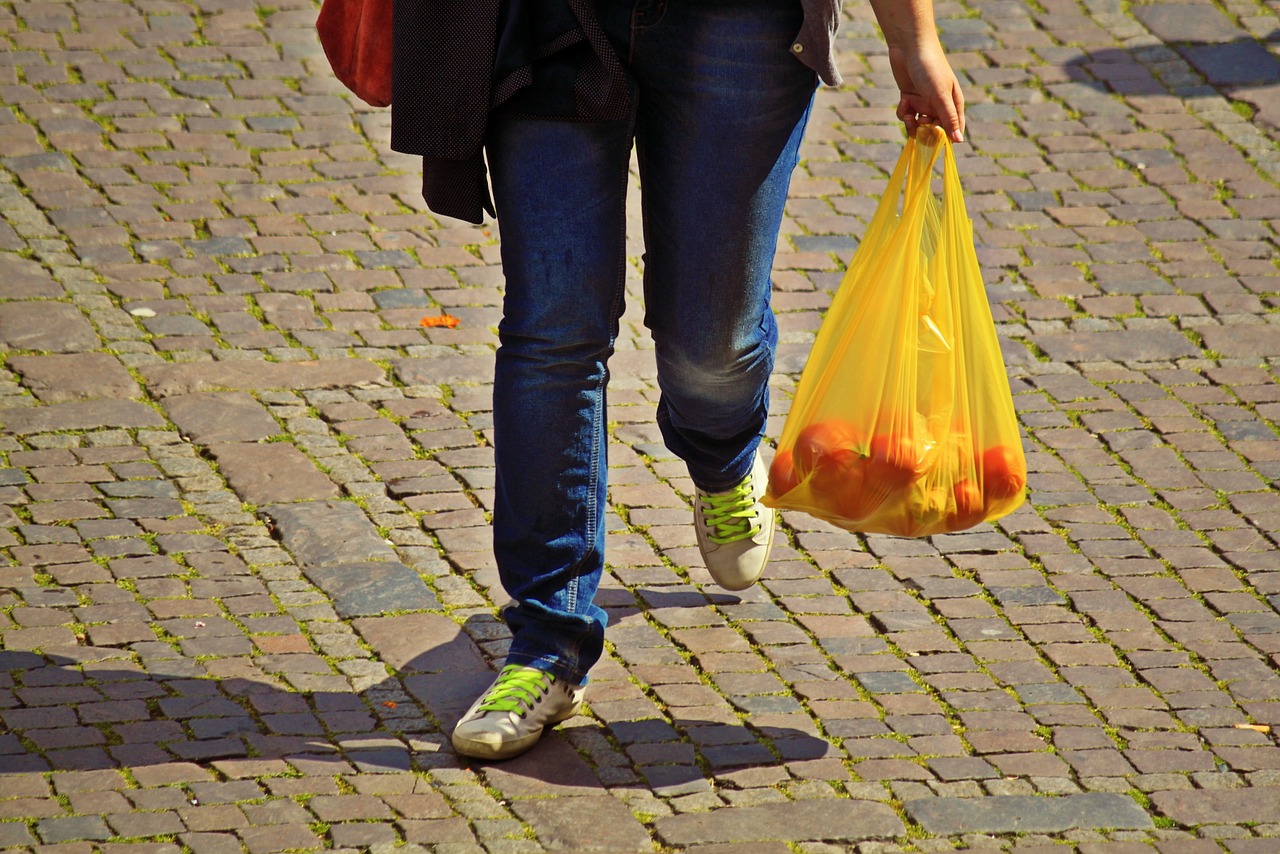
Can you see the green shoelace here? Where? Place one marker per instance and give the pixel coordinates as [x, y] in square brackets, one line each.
[728, 515]
[517, 690]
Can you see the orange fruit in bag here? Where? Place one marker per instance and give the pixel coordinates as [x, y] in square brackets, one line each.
[833, 439]
[1003, 474]
[969, 510]
[827, 453]
[855, 501]
[783, 476]
[891, 462]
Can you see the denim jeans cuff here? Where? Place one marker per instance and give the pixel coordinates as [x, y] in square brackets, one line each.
[549, 664]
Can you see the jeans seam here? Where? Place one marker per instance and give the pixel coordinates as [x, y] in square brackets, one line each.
[599, 442]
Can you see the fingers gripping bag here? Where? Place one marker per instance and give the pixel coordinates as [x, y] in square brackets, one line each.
[903, 421]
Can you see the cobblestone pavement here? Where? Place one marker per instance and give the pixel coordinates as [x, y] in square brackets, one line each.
[244, 497]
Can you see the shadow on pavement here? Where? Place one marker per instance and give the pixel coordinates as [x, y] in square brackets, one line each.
[1240, 68]
[95, 709]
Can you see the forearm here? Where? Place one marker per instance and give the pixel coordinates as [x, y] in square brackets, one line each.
[906, 23]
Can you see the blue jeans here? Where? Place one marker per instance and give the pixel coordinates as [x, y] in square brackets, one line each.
[718, 112]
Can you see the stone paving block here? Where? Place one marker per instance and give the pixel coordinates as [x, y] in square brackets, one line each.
[79, 415]
[828, 820]
[14, 835]
[371, 588]
[214, 418]
[557, 771]
[1212, 806]
[1023, 814]
[271, 472]
[1237, 63]
[1136, 346]
[590, 823]
[319, 533]
[1187, 22]
[1243, 341]
[443, 369]
[53, 327]
[283, 837]
[79, 376]
[422, 643]
[72, 828]
[24, 279]
[166, 380]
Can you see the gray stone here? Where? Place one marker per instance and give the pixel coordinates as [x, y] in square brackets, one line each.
[1015, 352]
[54, 327]
[381, 760]
[1051, 692]
[272, 472]
[371, 588]
[71, 828]
[888, 682]
[553, 770]
[444, 668]
[444, 369]
[1187, 22]
[140, 489]
[320, 533]
[1243, 342]
[1121, 345]
[175, 324]
[385, 258]
[791, 358]
[221, 246]
[1027, 813]
[1027, 596]
[146, 508]
[24, 279]
[14, 835]
[79, 415]
[1243, 62]
[592, 823]
[1265, 99]
[212, 417]
[1256, 623]
[825, 819]
[1243, 431]
[422, 643]
[145, 567]
[401, 298]
[1220, 806]
[78, 376]
[165, 380]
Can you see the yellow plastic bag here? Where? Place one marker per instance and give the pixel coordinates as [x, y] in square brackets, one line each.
[903, 422]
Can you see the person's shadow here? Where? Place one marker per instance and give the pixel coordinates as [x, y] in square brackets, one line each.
[1236, 65]
[90, 708]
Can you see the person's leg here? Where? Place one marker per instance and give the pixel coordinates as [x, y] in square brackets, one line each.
[723, 107]
[559, 189]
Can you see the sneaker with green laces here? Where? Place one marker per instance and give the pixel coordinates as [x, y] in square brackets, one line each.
[735, 530]
[509, 717]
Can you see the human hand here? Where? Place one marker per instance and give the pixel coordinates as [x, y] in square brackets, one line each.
[930, 92]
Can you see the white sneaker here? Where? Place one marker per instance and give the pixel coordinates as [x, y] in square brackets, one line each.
[735, 530]
[509, 717]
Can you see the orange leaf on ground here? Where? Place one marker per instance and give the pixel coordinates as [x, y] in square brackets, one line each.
[390, 704]
[442, 319]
